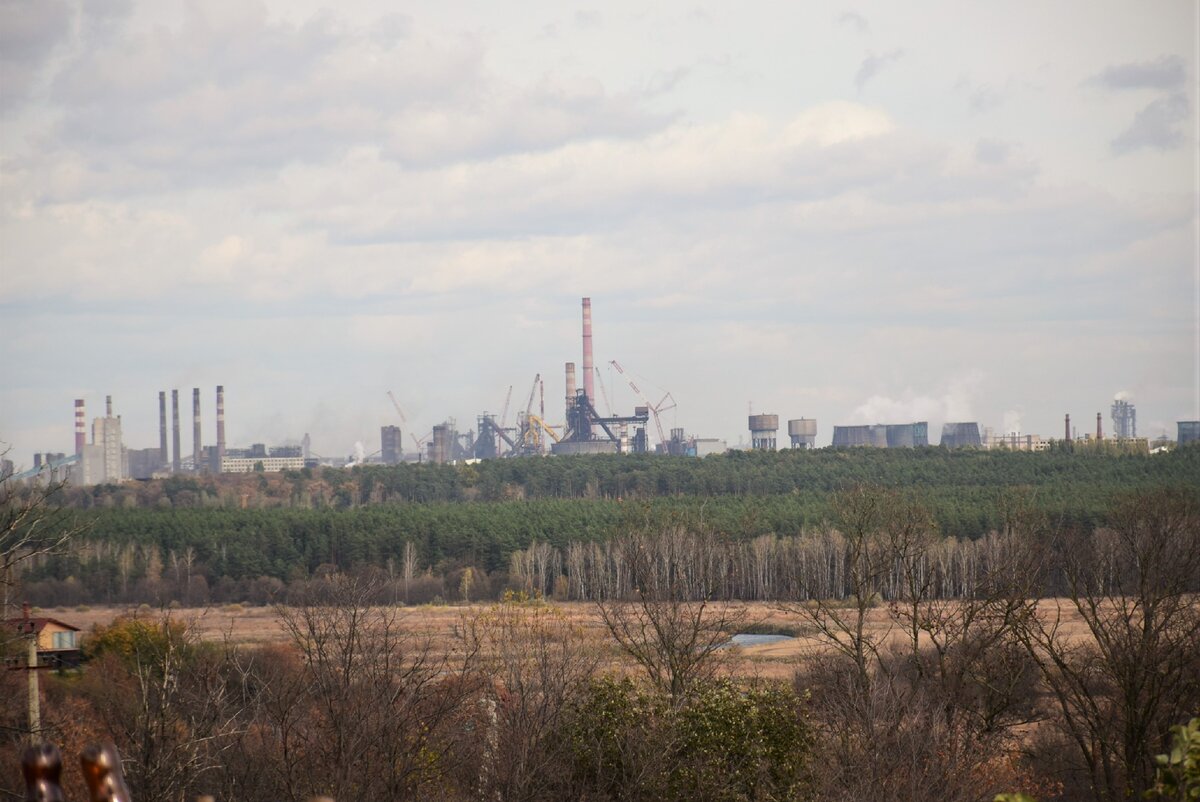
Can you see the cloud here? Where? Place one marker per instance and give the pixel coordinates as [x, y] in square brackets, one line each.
[1165, 73]
[955, 403]
[29, 33]
[1158, 126]
[854, 20]
[991, 151]
[872, 65]
[229, 93]
[984, 99]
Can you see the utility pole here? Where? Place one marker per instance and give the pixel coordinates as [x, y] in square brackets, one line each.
[35, 710]
[29, 630]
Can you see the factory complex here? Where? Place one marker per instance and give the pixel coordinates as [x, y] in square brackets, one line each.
[584, 430]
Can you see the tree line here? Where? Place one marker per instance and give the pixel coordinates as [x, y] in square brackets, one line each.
[994, 691]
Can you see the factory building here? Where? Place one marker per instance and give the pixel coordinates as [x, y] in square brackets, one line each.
[961, 435]
[1124, 418]
[270, 464]
[1014, 441]
[1189, 432]
[102, 461]
[391, 446]
[891, 435]
[143, 463]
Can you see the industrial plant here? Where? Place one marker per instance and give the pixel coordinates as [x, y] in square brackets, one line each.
[583, 430]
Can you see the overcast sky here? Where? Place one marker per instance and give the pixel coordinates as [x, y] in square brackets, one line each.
[863, 213]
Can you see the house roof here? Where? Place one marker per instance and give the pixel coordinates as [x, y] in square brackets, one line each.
[38, 624]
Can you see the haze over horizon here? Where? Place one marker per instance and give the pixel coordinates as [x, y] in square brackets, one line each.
[859, 214]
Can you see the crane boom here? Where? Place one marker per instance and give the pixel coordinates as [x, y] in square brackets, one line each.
[532, 391]
[399, 411]
[504, 413]
[653, 409]
[603, 390]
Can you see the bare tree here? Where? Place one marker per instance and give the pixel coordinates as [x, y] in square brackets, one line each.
[913, 691]
[165, 699]
[672, 628]
[534, 662]
[1136, 669]
[32, 525]
[369, 704]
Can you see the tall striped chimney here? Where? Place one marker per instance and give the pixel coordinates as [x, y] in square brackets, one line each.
[221, 426]
[175, 457]
[196, 446]
[588, 371]
[163, 455]
[80, 426]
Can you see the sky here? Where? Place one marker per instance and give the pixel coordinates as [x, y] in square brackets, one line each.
[867, 213]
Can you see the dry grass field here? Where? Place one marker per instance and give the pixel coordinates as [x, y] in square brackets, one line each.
[261, 625]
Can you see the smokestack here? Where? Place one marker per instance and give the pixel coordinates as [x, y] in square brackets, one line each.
[570, 385]
[175, 460]
[1099, 428]
[1067, 428]
[588, 371]
[196, 447]
[80, 426]
[108, 406]
[221, 426]
[163, 456]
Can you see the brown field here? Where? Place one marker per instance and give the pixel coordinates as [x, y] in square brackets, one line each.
[260, 625]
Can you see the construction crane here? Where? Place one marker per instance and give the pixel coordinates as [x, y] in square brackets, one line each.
[504, 413]
[399, 411]
[654, 410]
[603, 390]
[545, 427]
[532, 391]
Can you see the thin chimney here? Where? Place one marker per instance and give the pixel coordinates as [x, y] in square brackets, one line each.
[196, 445]
[221, 426]
[1099, 428]
[80, 426]
[570, 385]
[1067, 428]
[108, 406]
[175, 456]
[163, 455]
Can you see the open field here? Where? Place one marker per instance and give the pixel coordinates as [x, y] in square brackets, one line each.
[261, 625]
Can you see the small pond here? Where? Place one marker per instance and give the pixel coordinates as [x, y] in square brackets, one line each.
[745, 639]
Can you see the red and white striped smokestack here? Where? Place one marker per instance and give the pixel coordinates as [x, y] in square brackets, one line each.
[80, 426]
[570, 385]
[196, 445]
[163, 455]
[588, 371]
[220, 425]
